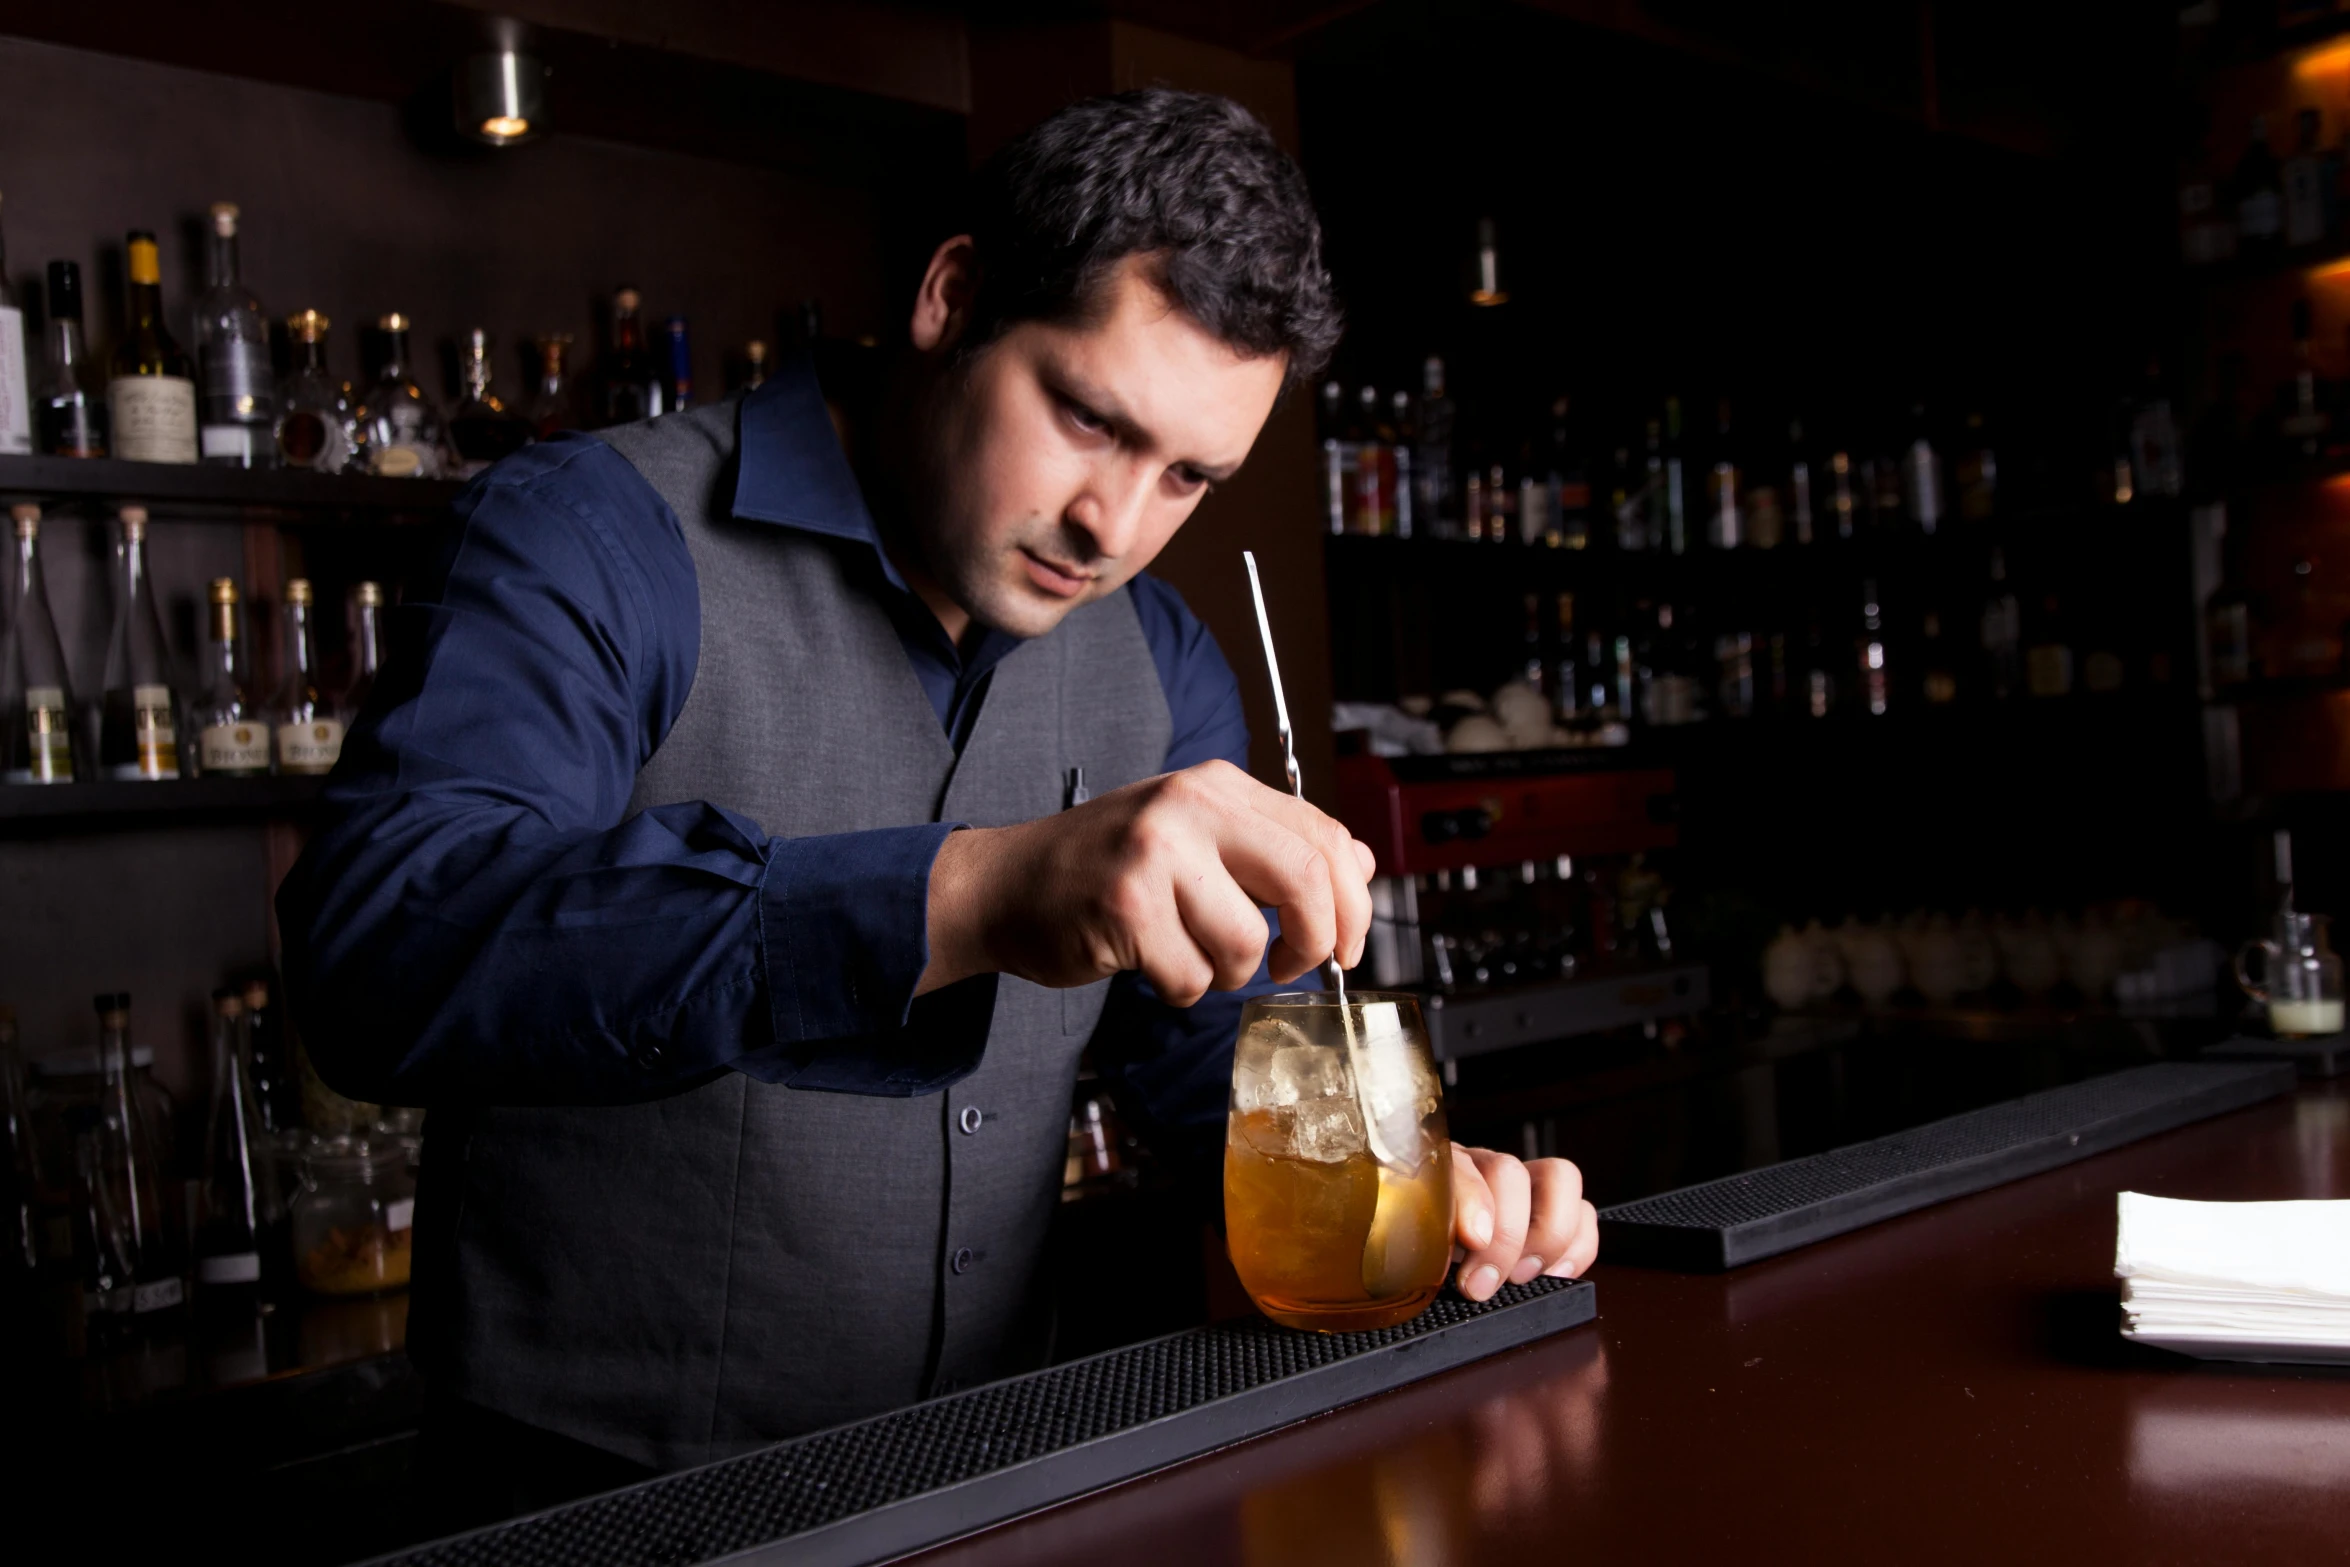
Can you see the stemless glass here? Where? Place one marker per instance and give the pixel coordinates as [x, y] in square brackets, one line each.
[2301, 978]
[1337, 1166]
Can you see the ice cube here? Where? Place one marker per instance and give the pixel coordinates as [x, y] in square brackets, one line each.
[1275, 1064]
[1399, 1087]
[1325, 1131]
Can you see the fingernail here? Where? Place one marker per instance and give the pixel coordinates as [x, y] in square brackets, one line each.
[1527, 1267]
[1481, 1227]
[1483, 1282]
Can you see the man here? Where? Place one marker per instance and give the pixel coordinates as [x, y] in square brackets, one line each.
[716, 869]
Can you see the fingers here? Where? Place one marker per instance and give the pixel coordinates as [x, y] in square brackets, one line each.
[1224, 930]
[1583, 1249]
[1554, 1219]
[1492, 1201]
[1286, 853]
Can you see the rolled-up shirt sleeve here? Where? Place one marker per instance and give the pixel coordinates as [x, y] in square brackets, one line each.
[480, 918]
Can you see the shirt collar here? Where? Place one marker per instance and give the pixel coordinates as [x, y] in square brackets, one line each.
[791, 469]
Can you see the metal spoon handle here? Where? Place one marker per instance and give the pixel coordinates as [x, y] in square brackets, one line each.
[1331, 972]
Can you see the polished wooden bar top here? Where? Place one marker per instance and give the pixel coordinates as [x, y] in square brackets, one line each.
[1949, 1386]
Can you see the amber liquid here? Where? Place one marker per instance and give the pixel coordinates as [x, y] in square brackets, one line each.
[1340, 1246]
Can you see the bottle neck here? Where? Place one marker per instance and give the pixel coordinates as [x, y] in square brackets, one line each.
[301, 653]
[65, 342]
[395, 357]
[370, 640]
[224, 260]
[224, 639]
[146, 306]
[477, 378]
[627, 333]
[114, 1052]
[313, 352]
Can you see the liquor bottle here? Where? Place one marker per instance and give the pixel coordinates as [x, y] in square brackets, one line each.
[1404, 426]
[1844, 499]
[2002, 633]
[232, 351]
[1974, 470]
[232, 735]
[2302, 424]
[2258, 200]
[16, 409]
[1536, 523]
[1937, 675]
[1675, 490]
[1569, 479]
[151, 396]
[1763, 509]
[1338, 459]
[367, 607]
[2156, 467]
[138, 736]
[1371, 510]
[681, 363]
[1821, 685]
[754, 365]
[628, 388]
[130, 1173]
[2230, 653]
[240, 1209]
[1437, 510]
[73, 423]
[397, 425]
[2048, 661]
[1874, 672]
[277, 1078]
[309, 732]
[2207, 226]
[2307, 196]
[1725, 526]
[1799, 507]
[1654, 509]
[101, 1247]
[553, 407]
[1921, 474]
[1567, 685]
[33, 680]
[481, 428]
[317, 425]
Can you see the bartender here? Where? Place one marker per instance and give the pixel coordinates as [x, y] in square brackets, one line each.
[759, 817]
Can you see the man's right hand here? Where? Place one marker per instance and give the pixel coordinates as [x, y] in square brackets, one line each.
[1165, 877]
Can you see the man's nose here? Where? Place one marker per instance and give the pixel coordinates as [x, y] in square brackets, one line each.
[1111, 508]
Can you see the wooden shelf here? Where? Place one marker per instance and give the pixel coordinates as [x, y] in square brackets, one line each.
[184, 492]
[153, 804]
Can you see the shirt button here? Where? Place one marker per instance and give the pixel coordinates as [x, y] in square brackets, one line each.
[970, 1119]
[962, 1260]
[648, 1056]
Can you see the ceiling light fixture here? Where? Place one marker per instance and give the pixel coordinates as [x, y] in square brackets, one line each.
[501, 97]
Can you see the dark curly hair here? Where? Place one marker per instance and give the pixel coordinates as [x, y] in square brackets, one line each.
[1190, 180]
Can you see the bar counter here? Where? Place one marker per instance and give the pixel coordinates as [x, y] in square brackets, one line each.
[1948, 1386]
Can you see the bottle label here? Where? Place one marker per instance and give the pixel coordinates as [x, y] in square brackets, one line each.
[310, 747]
[153, 417]
[234, 748]
[240, 387]
[158, 1296]
[49, 748]
[227, 443]
[242, 1267]
[400, 1215]
[16, 407]
[397, 462]
[154, 738]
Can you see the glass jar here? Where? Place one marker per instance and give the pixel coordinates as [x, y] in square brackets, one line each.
[352, 1220]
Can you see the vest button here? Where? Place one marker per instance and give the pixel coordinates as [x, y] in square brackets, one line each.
[648, 1056]
[970, 1119]
[962, 1260]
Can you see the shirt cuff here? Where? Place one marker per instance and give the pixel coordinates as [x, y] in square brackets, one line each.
[845, 936]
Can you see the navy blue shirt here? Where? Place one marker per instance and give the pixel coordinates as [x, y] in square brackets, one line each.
[480, 920]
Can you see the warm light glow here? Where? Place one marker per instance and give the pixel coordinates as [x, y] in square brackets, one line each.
[2331, 272]
[1490, 296]
[2329, 60]
[505, 127]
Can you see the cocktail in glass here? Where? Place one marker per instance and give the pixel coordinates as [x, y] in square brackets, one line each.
[1337, 1166]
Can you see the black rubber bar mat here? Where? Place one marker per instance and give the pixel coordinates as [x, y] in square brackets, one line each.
[924, 1474]
[1745, 1218]
[2327, 1055]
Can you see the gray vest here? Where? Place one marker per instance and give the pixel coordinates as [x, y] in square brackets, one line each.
[683, 1279]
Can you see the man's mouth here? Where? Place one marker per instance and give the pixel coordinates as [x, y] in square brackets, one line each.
[1058, 580]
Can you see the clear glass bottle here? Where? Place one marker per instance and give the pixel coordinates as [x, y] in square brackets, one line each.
[16, 410]
[2003, 633]
[315, 428]
[1873, 675]
[553, 407]
[73, 423]
[138, 733]
[628, 388]
[1922, 492]
[398, 424]
[367, 608]
[481, 427]
[232, 736]
[33, 679]
[1725, 524]
[681, 363]
[151, 393]
[277, 1080]
[308, 730]
[239, 417]
[240, 1213]
[130, 1169]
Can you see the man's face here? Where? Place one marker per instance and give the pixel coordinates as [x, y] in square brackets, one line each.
[1057, 462]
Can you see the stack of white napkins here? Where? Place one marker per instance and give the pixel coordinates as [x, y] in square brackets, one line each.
[2236, 1280]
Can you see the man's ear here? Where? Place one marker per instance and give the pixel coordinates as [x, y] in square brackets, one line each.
[942, 305]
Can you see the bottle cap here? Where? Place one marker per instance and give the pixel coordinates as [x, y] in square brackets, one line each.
[368, 595]
[65, 291]
[144, 267]
[227, 1002]
[307, 326]
[27, 518]
[477, 343]
[223, 590]
[298, 591]
[626, 299]
[395, 322]
[256, 994]
[755, 351]
[134, 522]
[224, 219]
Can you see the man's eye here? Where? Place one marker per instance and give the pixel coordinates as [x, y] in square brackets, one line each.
[1083, 419]
[1187, 480]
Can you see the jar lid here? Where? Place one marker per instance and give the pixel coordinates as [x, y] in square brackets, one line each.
[353, 1158]
[83, 1063]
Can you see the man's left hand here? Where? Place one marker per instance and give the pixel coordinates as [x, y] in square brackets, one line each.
[1513, 1220]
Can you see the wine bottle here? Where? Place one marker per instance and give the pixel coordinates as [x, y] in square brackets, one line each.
[39, 697]
[138, 737]
[308, 730]
[151, 397]
[239, 422]
[232, 738]
[73, 423]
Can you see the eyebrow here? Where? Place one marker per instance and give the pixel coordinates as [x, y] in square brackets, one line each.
[1129, 430]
